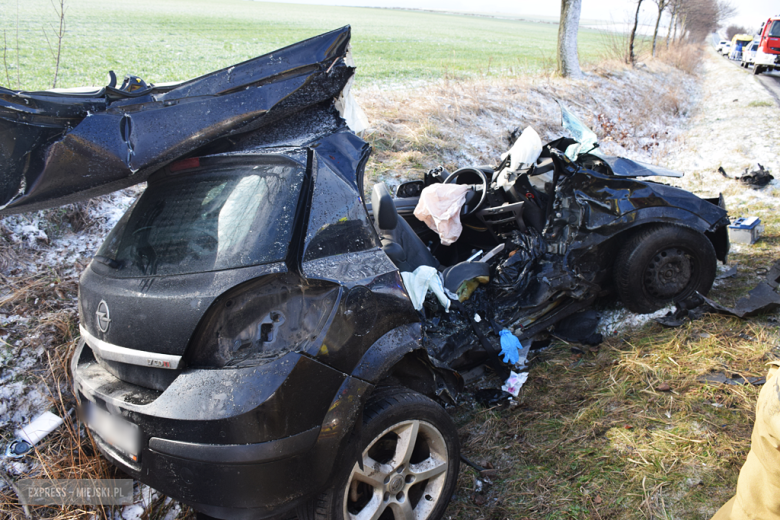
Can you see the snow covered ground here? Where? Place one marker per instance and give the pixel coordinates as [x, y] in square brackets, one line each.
[725, 119]
[736, 125]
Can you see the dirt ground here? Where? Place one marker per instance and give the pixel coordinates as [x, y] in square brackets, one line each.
[624, 430]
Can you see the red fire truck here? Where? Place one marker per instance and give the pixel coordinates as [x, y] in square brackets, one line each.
[768, 53]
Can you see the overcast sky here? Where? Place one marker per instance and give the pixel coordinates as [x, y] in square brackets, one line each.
[750, 12]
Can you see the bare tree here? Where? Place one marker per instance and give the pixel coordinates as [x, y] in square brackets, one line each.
[59, 8]
[673, 22]
[662, 4]
[568, 60]
[699, 18]
[631, 56]
[733, 30]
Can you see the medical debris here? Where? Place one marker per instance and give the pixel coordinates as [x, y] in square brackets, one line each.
[514, 383]
[758, 177]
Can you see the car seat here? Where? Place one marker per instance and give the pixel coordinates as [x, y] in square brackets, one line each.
[406, 250]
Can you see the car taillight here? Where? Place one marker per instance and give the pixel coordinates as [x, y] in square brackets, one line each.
[185, 164]
[262, 320]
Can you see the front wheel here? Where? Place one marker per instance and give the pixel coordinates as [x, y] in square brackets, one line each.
[662, 264]
[410, 456]
[757, 69]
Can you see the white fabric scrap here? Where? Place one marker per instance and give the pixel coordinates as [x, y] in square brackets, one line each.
[418, 283]
[515, 382]
[439, 207]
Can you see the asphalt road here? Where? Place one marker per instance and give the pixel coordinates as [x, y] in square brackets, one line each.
[771, 81]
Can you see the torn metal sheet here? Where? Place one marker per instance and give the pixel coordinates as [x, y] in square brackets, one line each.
[736, 380]
[57, 147]
[758, 177]
[762, 299]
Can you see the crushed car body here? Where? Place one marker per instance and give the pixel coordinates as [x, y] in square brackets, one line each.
[249, 345]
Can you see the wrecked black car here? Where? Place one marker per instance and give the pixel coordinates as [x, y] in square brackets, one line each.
[251, 342]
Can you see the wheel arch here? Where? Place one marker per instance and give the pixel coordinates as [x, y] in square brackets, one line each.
[399, 358]
[637, 221]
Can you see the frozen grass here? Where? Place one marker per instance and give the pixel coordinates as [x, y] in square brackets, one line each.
[169, 40]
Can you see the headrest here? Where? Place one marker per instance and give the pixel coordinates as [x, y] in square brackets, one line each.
[385, 214]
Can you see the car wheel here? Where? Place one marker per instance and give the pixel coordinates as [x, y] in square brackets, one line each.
[410, 451]
[757, 69]
[662, 264]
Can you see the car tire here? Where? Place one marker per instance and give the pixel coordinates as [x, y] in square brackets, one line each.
[661, 264]
[405, 436]
[757, 69]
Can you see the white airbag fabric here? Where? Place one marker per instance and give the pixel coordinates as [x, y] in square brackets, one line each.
[439, 207]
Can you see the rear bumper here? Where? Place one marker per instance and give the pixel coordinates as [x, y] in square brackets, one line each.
[247, 443]
[763, 58]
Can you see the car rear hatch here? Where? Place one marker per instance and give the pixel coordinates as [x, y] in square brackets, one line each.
[194, 234]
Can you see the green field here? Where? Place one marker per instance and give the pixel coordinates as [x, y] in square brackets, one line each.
[168, 40]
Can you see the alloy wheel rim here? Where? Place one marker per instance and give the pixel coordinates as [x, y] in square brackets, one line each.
[403, 476]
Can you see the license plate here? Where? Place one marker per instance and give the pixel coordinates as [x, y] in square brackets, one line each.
[114, 430]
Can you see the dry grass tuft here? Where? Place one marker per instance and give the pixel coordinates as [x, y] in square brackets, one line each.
[683, 56]
[69, 452]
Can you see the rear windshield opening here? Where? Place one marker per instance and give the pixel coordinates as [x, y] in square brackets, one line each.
[222, 218]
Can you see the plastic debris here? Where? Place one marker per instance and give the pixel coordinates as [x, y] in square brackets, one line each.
[491, 396]
[745, 230]
[762, 299]
[731, 272]
[515, 382]
[477, 318]
[422, 280]
[30, 435]
[580, 328]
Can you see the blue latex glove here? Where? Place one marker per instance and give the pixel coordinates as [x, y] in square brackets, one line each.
[510, 347]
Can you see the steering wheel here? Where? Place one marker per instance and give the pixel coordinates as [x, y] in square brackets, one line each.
[470, 207]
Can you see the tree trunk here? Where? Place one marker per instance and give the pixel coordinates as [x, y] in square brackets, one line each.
[661, 7]
[568, 61]
[631, 57]
[671, 22]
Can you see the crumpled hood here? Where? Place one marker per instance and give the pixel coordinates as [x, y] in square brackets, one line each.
[60, 147]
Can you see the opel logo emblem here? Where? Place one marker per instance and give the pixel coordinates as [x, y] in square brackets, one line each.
[103, 318]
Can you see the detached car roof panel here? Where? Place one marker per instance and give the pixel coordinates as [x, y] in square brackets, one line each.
[58, 147]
